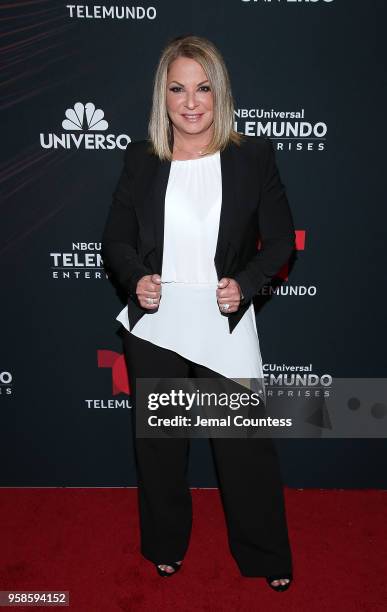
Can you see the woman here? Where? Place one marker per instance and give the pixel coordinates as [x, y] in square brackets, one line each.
[181, 241]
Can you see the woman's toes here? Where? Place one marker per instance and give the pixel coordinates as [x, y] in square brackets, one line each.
[280, 581]
[166, 568]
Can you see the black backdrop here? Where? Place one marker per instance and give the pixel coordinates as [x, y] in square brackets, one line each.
[64, 400]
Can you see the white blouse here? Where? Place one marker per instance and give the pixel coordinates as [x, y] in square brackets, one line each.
[188, 319]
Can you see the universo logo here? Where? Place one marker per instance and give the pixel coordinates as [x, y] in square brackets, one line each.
[84, 124]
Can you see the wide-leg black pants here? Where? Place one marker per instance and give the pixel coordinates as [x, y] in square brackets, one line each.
[248, 472]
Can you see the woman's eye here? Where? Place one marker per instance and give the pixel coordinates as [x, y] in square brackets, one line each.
[175, 88]
[205, 87]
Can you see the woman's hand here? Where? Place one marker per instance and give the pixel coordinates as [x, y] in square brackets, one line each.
[228, 292]
[149, 286]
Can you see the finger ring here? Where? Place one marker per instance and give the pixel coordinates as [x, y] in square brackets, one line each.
[150, 300]
[225, 306]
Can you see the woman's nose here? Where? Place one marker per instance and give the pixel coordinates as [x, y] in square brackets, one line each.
[190, 101]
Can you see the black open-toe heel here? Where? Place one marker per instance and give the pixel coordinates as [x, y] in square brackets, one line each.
[279, 587]
[176, 566]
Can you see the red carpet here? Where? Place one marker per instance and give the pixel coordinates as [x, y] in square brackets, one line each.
[86, 541]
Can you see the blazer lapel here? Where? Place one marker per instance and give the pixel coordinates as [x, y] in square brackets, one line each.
[228, 205]
[228, 208]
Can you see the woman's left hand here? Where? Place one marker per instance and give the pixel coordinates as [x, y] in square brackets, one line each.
[228, 292]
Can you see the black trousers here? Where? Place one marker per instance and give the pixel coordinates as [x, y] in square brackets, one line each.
[247, 469]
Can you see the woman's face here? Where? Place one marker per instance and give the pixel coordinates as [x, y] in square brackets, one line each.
[189, 97]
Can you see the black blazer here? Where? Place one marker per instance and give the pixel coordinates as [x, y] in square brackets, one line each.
[254, 206]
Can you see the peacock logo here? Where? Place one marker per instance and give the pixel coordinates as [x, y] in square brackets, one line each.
[85, 117]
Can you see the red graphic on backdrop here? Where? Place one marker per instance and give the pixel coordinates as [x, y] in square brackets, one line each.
[300, 246]
[300, 240]
[115, 361]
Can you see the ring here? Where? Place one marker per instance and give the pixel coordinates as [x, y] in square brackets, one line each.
[150, 300]
[225, 306]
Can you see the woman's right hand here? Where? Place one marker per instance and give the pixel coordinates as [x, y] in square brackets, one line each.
[149, 286]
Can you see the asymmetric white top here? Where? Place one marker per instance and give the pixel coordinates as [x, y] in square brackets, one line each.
[188, 319]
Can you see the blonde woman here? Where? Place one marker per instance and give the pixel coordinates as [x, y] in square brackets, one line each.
[181, 242]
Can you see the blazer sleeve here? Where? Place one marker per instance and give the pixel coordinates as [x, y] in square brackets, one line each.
[119, 239]
[276, 231]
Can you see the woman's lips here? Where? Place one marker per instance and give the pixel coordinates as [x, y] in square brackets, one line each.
[193, 118]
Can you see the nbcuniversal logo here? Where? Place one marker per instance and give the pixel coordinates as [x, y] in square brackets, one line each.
[84, 127]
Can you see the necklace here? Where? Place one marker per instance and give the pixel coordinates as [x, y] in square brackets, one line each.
[190, 153]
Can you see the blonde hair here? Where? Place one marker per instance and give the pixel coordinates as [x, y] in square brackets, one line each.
[160, 129]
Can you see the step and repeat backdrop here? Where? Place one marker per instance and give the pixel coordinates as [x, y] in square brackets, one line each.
[77, 86]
